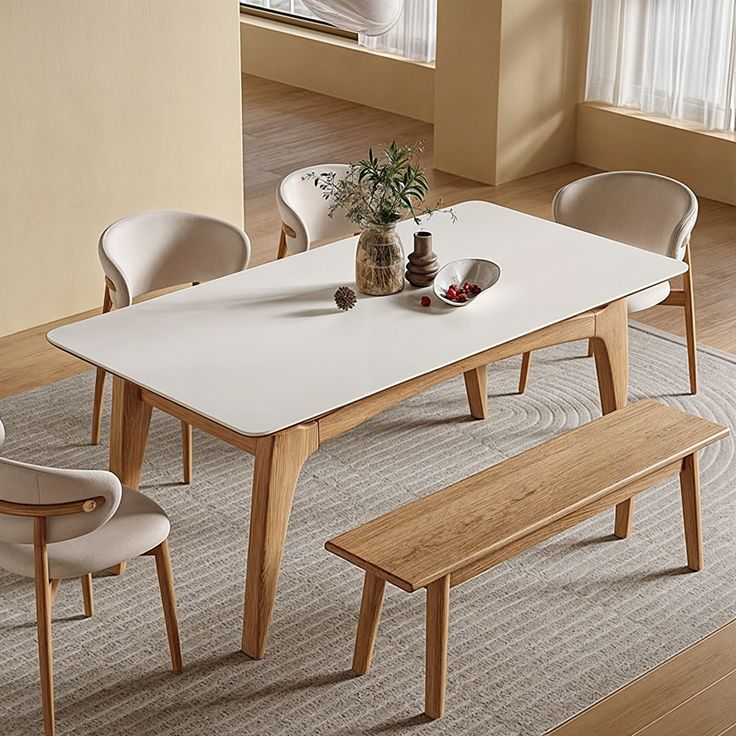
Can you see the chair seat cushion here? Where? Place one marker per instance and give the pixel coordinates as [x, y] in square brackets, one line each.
[648, 298]
[138, 525]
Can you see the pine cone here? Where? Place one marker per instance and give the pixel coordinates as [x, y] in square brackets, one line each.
[345, 298]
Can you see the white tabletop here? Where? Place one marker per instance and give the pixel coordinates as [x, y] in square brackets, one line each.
[266, 349]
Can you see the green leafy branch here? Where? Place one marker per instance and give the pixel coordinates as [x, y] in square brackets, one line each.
[379, 190]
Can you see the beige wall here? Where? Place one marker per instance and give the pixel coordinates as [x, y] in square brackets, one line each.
[610, 140]
[108, 108]
[466, 92]
[507, 86]
[542, 62]
[337, 67]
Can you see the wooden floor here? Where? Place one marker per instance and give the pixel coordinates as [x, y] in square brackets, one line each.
[285, 128]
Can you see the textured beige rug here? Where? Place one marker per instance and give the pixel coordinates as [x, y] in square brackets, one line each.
[532, 642]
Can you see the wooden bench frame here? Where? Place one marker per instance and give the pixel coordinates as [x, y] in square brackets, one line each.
[438, 589]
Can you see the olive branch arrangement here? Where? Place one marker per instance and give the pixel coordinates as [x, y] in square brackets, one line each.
[378, 190]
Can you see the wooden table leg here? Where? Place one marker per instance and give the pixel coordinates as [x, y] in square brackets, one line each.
[279, 460]
[131, 417]
[476, 386]
[610, 347]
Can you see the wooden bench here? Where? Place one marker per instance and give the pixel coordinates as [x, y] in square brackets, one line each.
[453, 535]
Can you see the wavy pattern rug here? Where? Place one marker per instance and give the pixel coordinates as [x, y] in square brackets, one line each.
[532, 642]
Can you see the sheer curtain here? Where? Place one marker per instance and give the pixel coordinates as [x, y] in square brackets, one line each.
[667, 57]
[414, 36]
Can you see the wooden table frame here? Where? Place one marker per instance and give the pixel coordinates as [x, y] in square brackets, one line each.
[279, 457]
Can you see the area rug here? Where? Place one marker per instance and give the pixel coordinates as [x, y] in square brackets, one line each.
[532, 642]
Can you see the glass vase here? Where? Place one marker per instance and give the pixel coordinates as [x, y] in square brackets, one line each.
[379, 261]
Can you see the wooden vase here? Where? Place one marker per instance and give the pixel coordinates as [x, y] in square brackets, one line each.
[423, 264]
[379, 261]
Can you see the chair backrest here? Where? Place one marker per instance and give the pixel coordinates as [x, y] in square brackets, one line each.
[650, 211]
[155, 250]
[304, 209]
[35, 485]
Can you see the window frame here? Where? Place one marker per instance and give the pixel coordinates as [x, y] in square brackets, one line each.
[296, 21]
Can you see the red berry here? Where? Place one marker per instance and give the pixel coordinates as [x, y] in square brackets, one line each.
[461, 298]
[425, 301]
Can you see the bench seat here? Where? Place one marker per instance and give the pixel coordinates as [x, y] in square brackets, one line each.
[459, 532]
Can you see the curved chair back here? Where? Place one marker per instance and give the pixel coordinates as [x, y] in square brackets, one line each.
[634, 207]
[154, 250]
[305, 211]
[33, 485]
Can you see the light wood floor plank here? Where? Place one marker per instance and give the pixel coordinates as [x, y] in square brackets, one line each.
[660, 691]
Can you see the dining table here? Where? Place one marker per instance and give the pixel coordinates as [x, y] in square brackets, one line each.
[264, 360]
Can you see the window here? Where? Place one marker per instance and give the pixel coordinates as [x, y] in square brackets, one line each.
[413, 37]
[293, 12]
[674, 58]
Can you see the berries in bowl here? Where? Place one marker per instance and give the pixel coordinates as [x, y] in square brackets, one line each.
[459, 283]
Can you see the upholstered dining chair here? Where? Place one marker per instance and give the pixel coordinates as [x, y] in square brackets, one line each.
[57, 524]
[155, 250]
[646, 210]
[305, 217]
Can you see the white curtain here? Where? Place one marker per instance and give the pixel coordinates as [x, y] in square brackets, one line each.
[414, 36]
[666, 57]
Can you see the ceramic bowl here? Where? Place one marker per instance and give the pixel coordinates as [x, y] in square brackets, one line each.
[476, 270]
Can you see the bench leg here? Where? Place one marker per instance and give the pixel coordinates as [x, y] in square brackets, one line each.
[690, 492]
[370, 614]
[476, 386]
[438, 614]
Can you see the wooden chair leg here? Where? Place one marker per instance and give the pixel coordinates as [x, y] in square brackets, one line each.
[97, 406]
[186, 451]
[43, 622]
[438, 615]
[283, 249]
[370, 614]
[87, 595]
[526, 362]
[118, 569]
[692, 346]
[168, 600]
[100, 377]
[690, 492]
[53, 591]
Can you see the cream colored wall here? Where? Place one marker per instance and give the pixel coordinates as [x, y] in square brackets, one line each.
[466, 87]
[108, 108]
[337, 67]
[507, 86]
[542, 63]
[610, 140]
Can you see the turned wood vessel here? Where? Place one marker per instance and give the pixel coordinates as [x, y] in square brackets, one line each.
[422, 265]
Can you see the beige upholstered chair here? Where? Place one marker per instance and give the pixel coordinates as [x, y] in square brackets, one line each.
[155, 250]
[305, 217]
[645, 210]
[57, 524]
